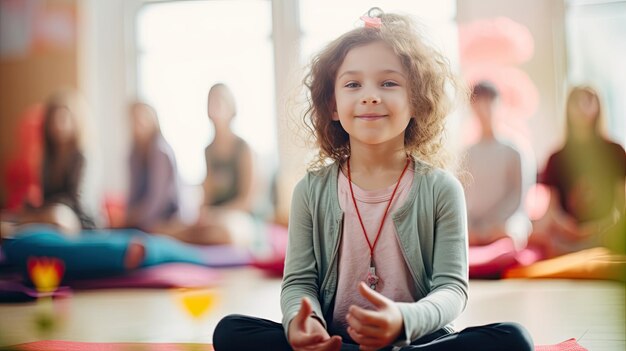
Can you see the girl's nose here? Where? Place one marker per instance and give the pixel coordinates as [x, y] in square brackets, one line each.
[370, 99]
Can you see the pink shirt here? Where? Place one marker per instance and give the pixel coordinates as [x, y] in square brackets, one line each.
[395, 281]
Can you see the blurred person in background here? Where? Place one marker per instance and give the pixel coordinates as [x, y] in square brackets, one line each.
[229, 184]
[229, 181]
[494, 197]
[586, 179]
[63, 164]
[153, 199]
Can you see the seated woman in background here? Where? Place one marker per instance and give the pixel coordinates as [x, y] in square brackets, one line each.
[494, 197]
[229, 181]
[228, 186]
[63, 164]
[153, 199]
[586, 178]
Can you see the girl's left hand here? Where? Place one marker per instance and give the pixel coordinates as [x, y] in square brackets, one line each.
[373, 330]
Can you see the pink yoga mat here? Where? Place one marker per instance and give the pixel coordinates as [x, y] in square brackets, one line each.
[57, 345]
[567, 345]
[490, 261]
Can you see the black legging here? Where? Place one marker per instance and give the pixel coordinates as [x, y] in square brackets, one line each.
[243, 333]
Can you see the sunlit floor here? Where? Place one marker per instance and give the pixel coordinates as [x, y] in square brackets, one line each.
[552, 310]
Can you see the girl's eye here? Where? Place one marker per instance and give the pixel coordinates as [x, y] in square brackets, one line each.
[390, 84]
[352, 85]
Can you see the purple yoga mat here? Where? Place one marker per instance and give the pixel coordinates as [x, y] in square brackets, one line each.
[167, 275]
[15, 291]
[225, 256]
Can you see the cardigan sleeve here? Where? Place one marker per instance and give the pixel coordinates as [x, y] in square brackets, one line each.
[300, 278]
[448, 291]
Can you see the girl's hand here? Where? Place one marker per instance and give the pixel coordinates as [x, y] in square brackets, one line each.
[373, 330]
[307, 333]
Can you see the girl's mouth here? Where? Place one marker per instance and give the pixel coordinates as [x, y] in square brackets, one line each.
[370, 117]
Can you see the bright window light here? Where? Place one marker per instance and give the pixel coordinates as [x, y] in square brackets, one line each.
[325, 20]
[185, 47]
[596, 52]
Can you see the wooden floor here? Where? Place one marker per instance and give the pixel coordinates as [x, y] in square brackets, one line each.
[552, 310]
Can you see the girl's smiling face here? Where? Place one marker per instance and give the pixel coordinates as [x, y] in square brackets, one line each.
[371, 95]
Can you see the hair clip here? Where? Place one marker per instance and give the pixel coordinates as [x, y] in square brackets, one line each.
[371, 19]
[371, 22]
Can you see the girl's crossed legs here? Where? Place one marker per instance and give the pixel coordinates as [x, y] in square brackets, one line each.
[242, 333]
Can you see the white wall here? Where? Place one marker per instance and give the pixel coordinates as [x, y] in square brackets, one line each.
[102, 80]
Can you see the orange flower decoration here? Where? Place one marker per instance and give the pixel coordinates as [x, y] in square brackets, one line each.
[46, 273]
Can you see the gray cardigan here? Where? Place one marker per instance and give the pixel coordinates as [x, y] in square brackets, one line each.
[432, 229]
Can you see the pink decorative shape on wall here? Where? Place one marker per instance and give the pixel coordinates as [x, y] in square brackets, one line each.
[492, 49]
[499, 40]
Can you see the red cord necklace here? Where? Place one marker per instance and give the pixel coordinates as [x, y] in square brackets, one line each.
[372, 279]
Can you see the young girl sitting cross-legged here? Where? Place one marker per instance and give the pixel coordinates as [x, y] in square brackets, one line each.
[377, 253]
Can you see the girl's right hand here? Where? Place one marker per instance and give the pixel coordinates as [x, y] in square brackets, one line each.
[306, 333]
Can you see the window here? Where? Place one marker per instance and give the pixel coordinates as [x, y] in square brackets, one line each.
[184, 47]
[596, 52]
[324, 20]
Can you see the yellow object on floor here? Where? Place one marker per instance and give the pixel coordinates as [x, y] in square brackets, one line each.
[595, 263]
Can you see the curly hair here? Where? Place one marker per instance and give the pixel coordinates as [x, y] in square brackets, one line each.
[429, 78]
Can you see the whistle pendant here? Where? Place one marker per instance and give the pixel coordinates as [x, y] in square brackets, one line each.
[372, 278]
